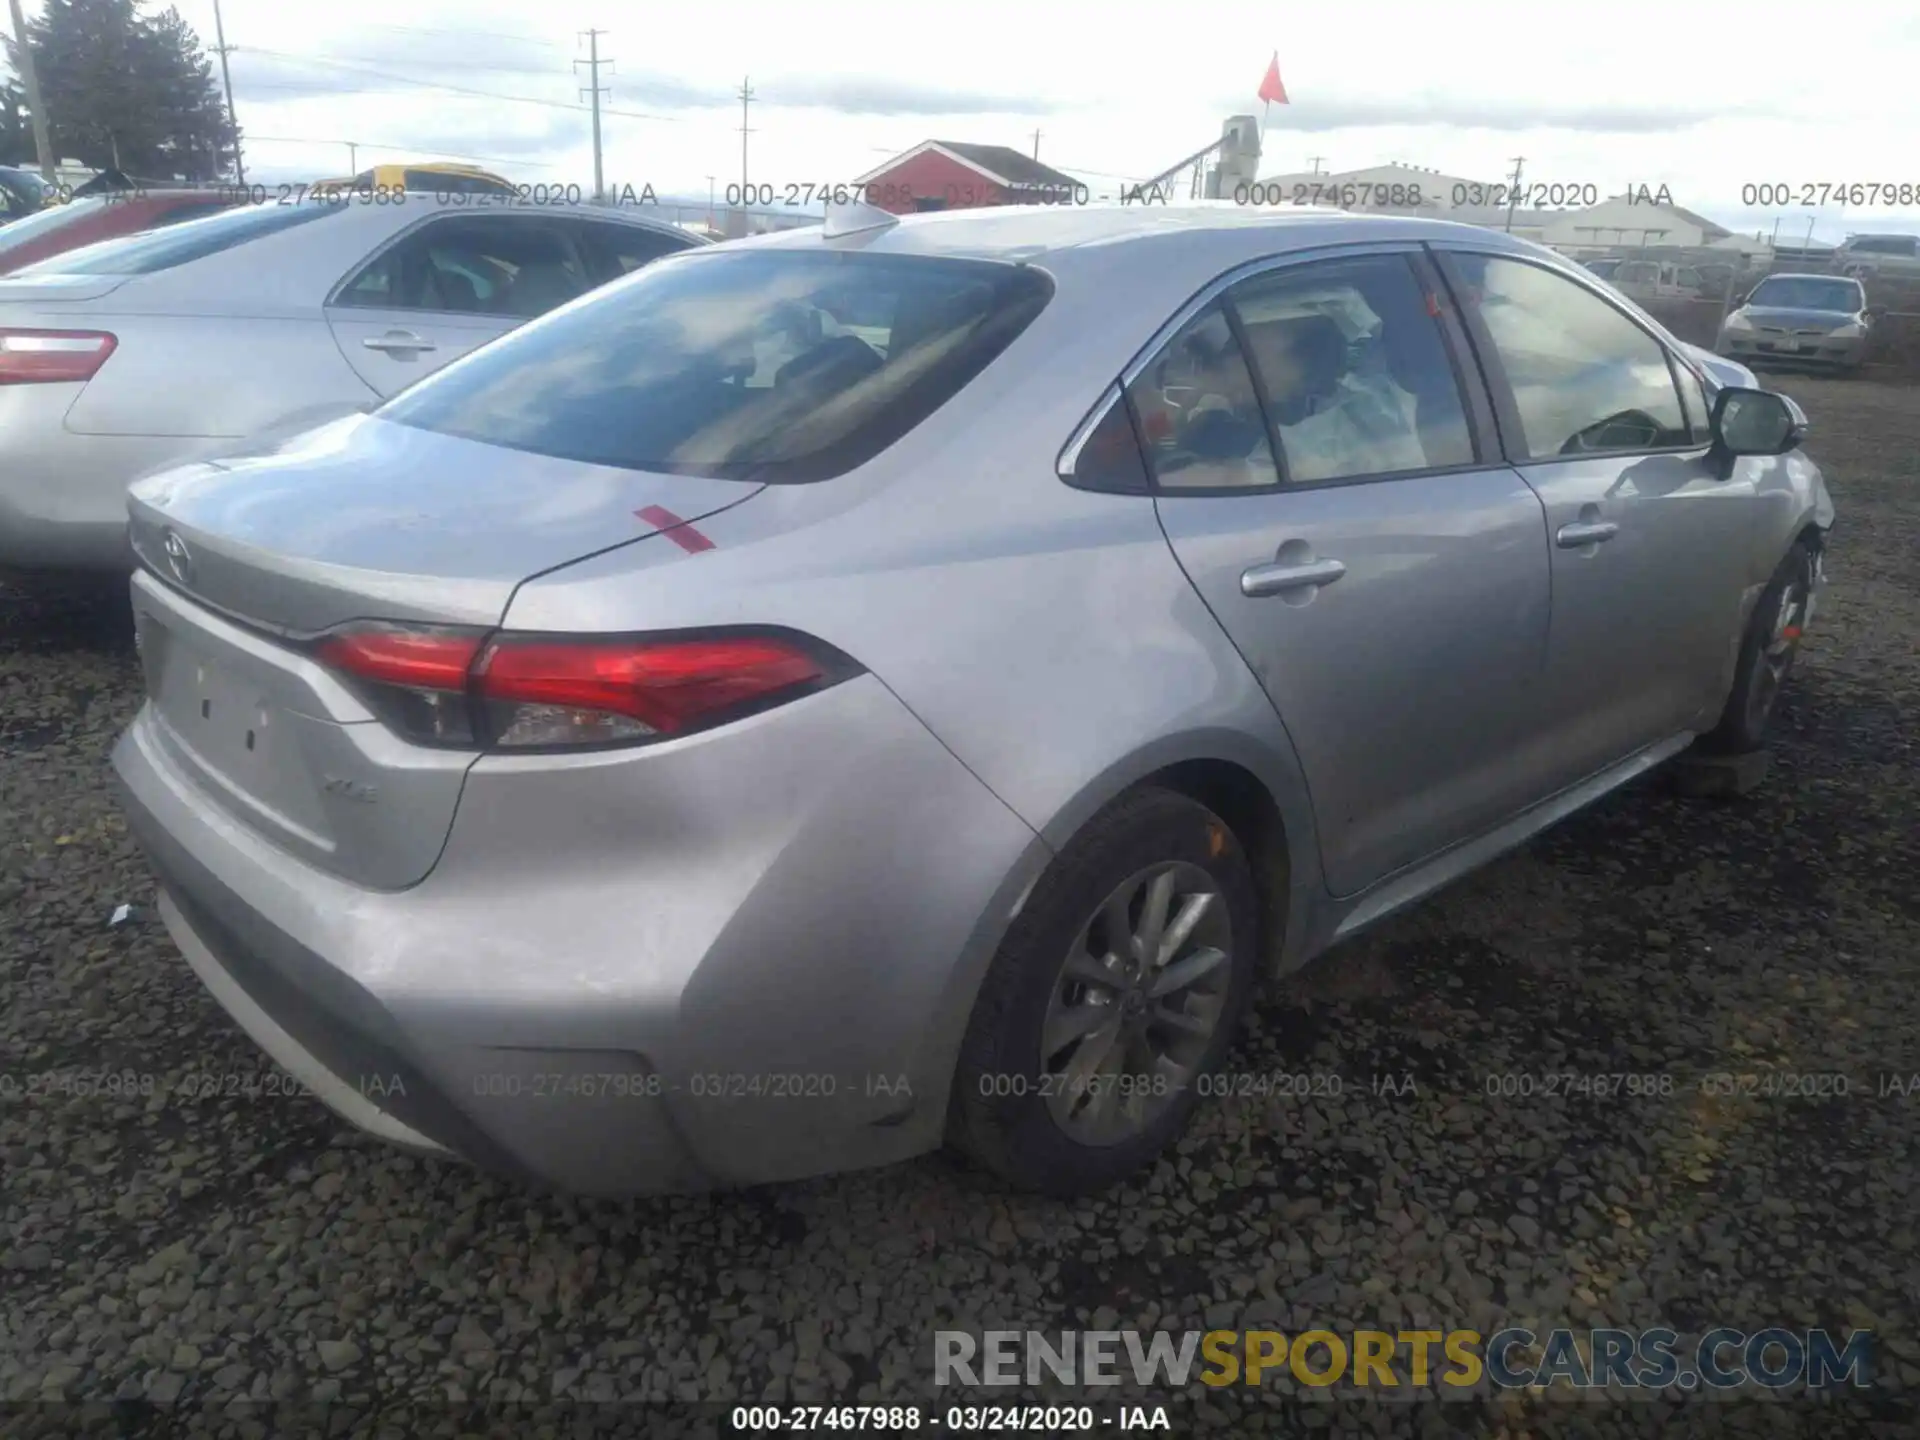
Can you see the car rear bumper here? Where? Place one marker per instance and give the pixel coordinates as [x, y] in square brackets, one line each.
[570, 1012]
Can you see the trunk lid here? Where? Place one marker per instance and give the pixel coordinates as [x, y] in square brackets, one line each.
[247, 557]
[57, 289]
[363, 518]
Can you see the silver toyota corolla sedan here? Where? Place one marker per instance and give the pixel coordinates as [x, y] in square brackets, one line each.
[911, 680]
[126, 356]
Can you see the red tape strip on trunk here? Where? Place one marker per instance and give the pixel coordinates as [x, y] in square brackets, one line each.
[674, 528]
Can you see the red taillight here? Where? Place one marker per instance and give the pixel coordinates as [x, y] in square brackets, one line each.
[447, 687]
[665, 685]
[39, 357]
[393, 655]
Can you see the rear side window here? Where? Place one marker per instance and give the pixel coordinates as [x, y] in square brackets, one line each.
[154, 250]
[1200, 414]
[1353, 370]
[616, 250]
[776, 366]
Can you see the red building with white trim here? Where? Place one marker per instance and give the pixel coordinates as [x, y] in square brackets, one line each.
[951, 175]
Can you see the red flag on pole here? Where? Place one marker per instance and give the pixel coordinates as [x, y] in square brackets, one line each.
[1270, 88]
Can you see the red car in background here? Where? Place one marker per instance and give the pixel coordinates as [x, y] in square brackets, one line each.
[89, 218]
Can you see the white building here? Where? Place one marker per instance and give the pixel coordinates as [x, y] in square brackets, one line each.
[1631, 222]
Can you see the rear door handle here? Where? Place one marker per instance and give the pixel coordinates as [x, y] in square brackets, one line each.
[398, 342]
[1582, 534]
[1277, 579]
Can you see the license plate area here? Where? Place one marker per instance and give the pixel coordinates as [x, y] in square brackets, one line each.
[1788, 347]
[226, 720]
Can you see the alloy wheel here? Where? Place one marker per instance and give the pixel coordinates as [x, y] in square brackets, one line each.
[1137, 1002]
[1777, 653]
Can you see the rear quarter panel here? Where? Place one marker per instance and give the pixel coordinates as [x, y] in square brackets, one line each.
[213, 376]
[1046, 635]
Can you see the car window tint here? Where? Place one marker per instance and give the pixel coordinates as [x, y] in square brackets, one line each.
[1585, 378]
[781, 366]
[474, 265]
[1354, 370]
[154, 250]
[1199, 414]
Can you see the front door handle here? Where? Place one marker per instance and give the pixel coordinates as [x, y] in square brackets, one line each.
[398, 342]
[1582, 534]
[1277, 578]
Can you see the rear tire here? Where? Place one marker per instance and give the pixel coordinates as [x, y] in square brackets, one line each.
[1132, 963]
[1767, 652]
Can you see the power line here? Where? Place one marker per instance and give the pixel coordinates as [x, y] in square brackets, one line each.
[451, 89]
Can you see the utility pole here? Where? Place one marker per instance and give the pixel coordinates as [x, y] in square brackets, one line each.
[226, 79]
[597, 90]
[1036, 144]
[353, 158]
[710, 180]
[746, 99]
[30, 81]
[1513, 195]
[1316, 162]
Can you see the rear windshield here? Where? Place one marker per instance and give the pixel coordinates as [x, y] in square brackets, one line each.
[772, 365]
[151, 250]
[41, 222]
[1796, 292]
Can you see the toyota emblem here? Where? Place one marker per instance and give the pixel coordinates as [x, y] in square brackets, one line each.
[179, 558]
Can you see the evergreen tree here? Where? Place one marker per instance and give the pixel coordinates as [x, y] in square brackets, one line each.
[126, 90]
[16, 131]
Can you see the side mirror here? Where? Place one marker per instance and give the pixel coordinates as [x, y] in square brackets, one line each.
[1755, 422]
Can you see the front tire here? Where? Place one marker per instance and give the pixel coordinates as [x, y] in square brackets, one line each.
[1767, 653]
[1120, 985]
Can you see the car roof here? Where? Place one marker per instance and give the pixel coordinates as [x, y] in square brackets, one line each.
[1027, 232]
[1805, 275]
[1156, 255]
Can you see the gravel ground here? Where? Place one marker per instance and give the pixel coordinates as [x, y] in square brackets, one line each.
[217, 1249]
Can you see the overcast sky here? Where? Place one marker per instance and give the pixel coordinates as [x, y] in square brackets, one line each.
[1702, 99]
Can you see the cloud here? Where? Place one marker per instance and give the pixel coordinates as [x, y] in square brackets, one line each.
[1314, 116]
[872, 95]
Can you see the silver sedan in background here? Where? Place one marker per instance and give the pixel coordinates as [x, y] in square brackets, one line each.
[909, 680]
[1812, 320]
[174, 344]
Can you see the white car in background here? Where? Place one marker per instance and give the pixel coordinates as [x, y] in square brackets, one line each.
[179, 344]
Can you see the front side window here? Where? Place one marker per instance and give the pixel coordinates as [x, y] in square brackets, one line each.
[1199, 413]
[153, 250]
[514, 268]
[1585, 378]
[1353, 369]
[778, 366]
